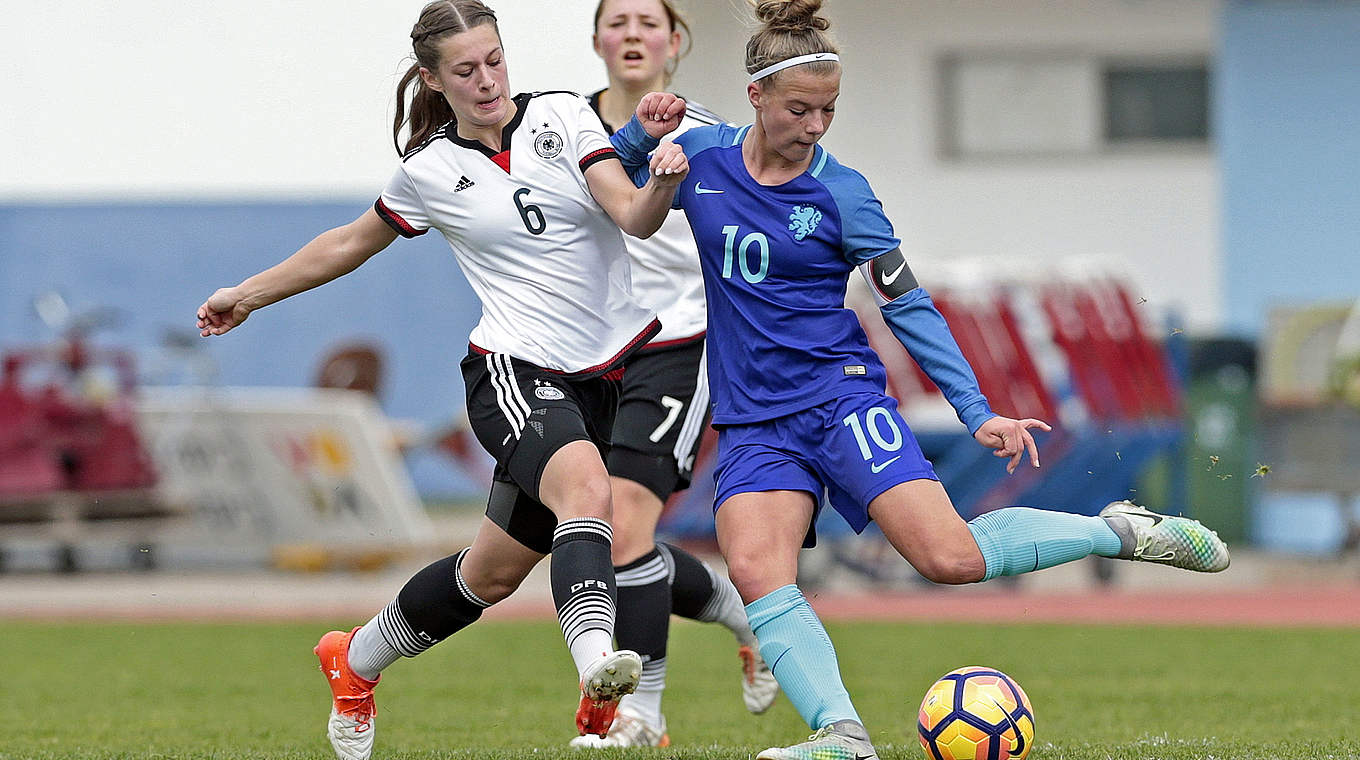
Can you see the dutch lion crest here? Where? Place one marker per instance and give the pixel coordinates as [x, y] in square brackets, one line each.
[803, 221]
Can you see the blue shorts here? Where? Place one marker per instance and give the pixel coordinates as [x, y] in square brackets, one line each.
[852, 449]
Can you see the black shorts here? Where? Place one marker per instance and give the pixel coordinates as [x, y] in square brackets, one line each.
[663, 413]
[522, 414]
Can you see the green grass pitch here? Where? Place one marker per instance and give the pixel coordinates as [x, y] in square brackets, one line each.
[506, 690]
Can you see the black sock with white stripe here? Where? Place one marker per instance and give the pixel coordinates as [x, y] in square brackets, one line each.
[644, 626]
[583, 587]
[698, 593]
[433, 605]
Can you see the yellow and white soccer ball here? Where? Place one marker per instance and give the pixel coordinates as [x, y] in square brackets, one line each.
[976, 713]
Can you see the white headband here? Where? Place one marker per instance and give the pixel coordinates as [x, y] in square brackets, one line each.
[794, 61]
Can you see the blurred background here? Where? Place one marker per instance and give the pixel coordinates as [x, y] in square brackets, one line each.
[1141, 217]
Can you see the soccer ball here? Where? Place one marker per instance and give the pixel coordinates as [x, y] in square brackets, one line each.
[976, 713]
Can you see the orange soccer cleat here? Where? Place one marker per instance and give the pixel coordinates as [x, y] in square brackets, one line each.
[350, 727]
[603, 683]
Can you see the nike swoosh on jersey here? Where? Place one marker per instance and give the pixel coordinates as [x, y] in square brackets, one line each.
[699, 189]
[888, 279]
[877, 468]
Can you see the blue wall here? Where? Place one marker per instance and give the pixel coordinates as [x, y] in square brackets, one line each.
[156, 263]
[1288, 129]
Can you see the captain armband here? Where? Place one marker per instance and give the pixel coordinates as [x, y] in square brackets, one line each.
[889, 276]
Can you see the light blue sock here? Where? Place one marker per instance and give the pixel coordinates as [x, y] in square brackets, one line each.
[798, 651]
[1019, 540]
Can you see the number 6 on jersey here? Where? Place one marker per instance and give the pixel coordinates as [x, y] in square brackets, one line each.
[534, 221]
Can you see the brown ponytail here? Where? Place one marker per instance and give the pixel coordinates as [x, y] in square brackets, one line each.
[789, 28]
[429, 110]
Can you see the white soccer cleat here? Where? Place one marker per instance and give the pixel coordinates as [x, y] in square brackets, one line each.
[1165, 539]
[603, 683]
[842, 740]
[629, 730]
[758, 686]
[351, 737]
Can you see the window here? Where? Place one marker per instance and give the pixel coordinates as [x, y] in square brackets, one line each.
[1056, 103]
[1156, 103]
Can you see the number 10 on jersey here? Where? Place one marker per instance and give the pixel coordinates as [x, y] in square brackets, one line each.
[875, 419]
[742, 254]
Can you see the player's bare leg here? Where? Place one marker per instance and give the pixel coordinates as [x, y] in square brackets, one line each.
[919, 520]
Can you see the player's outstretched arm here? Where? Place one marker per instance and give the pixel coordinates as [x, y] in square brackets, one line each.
[331, 254]
[639, 211]
[1011, 438]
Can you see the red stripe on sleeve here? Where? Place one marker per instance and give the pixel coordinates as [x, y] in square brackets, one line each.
[395, 221]
[597, 156]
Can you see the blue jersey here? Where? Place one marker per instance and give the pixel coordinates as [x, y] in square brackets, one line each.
[775, 261]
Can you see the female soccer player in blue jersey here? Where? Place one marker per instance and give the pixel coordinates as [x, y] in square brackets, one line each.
[799, 396]
[663, 406]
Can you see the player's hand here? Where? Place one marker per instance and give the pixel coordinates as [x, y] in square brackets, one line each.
[1011, 438]
[660, 113]
[669, 165]
[222, 311]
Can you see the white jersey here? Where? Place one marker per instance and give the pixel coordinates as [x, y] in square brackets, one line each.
[547, 263]
[666, 274]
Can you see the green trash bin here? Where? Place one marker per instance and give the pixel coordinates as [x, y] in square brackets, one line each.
[1220, 429]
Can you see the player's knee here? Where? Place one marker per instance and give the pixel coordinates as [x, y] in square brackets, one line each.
[754, 575]
[952, 567]
[582, 497]
[595, 498]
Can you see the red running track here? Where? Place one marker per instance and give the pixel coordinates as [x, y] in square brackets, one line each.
[1274, 606]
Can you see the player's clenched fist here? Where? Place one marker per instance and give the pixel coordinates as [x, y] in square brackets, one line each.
[660, 113]
[222, 311]
[669, 164]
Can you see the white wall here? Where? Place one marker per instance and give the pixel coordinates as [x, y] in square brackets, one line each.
[1155, 214]
[250, 98]
[169, 99]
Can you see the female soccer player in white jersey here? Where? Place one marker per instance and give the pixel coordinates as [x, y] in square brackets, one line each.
[798, 394]
[527, 192]
[663, 409]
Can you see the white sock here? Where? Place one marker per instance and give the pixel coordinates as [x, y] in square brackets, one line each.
[646, 701]
[369, 652]
[590, 646]
[726, 607]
